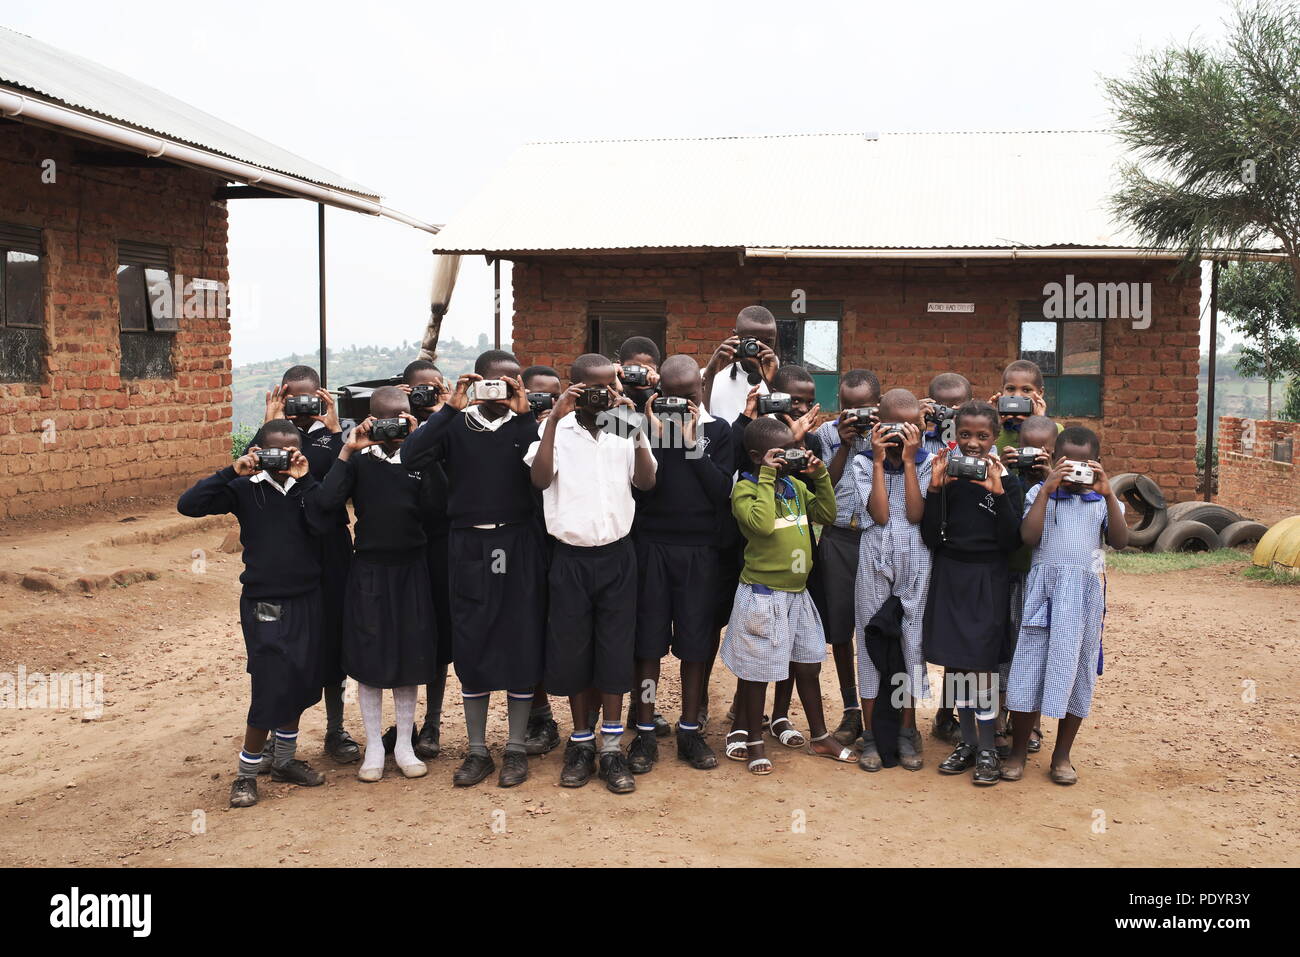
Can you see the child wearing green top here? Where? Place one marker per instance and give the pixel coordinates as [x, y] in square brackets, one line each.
[774, 627]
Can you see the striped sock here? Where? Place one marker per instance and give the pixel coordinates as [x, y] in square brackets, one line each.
[518, 707]
[610, 733]
[286, 744]
[687, 726]
[584, 737]
[249, 764]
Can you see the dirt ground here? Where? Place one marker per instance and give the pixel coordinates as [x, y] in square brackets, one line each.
[1178, 765]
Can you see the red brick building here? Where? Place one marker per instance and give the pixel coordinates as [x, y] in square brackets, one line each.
[114, 315]
[909, 255]
[1259, 468]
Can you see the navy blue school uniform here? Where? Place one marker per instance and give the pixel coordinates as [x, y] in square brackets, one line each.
[390, 633]
[676, 532]
[280, 604]
[321, 447]
[497, 563]
[966, 625]
[434, 489]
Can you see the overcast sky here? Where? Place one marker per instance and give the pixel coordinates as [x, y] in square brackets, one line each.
[423, 101]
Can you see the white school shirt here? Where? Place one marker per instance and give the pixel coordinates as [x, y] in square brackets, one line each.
[589, 501]
[264, 477]
[727, 400]
[482, 422]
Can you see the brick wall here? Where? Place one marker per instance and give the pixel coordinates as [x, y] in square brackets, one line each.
[1149, 386]
[111, 437]
[1251, 481]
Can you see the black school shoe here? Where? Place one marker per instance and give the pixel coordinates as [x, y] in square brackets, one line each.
[390, 738]
[960, 761]
[297, 772]
[988, 767]
[268, 755]
[850, 728]
[614, 770]
[662, 728]
[542, 736]
[340, 746]
[472, 770]
[692, 748]
[644, 752]
[427, 744]
[514, 769]
[947, 727]
[579, 762]
[243, 792]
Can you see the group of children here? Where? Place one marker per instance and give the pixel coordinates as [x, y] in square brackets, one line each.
[560, 539]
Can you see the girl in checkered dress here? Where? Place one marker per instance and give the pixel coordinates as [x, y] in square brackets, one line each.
[891, 479]
[1058, 653]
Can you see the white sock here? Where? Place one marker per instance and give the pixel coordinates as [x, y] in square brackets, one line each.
[404, 705]
[372, 715]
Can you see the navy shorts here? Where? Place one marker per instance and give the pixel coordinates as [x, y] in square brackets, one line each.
[677, 599]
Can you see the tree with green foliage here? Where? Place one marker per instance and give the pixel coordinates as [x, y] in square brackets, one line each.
[1217, 132]
[1291, 401]
[1261, 303]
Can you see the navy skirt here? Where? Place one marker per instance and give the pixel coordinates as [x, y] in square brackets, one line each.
[336, 560]
[390, 637]
[965, 625]
[282, 638]
[436, 556]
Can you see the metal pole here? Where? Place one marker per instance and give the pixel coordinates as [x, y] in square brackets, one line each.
[496, 302]
[1210, 457]
[320, 272]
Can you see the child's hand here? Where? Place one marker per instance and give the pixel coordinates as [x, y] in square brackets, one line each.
[518, 395]
[1040, 404]
[459, 399]
[774, 458]
[1056, 476]
[275, 403]
[1011, 456]
[691, 425]
[847, 428]
[993, 399]
[567, 402]
[329, 411]
[927, 407]
[655, 425]
[879, 447]
[768, 361]
[412, 423]
[751, 403]
[360, 437]
[993, 477]
[246, 464]
[1100, 480]
[911, 440]
[803, 425]
[814, 466]
[939, 470]
[723, 356]
[298, 465]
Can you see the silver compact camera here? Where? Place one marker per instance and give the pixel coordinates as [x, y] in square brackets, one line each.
[490, 390]
[1080, 473]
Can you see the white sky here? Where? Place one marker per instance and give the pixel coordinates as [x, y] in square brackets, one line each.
[423, 101]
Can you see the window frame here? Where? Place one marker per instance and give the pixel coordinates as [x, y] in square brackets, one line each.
[1031, 311]
[146, 257]
[817, 310]
[23, 343]
[649, 312]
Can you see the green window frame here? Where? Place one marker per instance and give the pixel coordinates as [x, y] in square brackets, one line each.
[1071, 355]
[811, 338]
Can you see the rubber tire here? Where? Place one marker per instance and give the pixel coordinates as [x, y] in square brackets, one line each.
[1218, 517]
[1240, 533]
[1179, 534]
[1138, 493]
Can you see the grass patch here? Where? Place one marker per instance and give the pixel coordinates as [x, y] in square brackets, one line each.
[1150, 563]
[1257, 574]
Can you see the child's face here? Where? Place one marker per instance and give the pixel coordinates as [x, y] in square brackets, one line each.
[975, 435]
[1019, 382]
[782, 440]
[642, 359]
[951, 397]
[282, 440]
[764, 334]
[1046, 441]
[427, 377]
[1074, 453]
[599, 376]
[501, 369]
[802, 395]
[544, 383]
[390, 409]
[858, 396]
[301, 387]
[687, 387]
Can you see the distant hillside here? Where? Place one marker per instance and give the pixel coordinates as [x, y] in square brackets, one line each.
[251, 381]
[1234, 395]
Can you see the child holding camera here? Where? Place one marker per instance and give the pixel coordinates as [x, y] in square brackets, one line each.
[1058, 653]
[587, 474]
[836, 568]
[891, 478]
[300, 399]
[389, 628]
[971, 524]
[280, 604]
[775, 629]
[947, 391]
[748, 359]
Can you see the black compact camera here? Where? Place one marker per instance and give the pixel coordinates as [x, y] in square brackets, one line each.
[384, 429]
[273, 460]
[635, 375]
[864, 417]
[596, 397]
[894, 434]
[775, 402]
[794, 460]
[669, 403]
[968, 467]
[748, 348]
[424, 396]
[296, 405]
[1025, 458]
[541, 401]
[940, 414]
[1015, 405]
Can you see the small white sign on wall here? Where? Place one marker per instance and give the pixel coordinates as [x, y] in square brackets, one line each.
[950, 307]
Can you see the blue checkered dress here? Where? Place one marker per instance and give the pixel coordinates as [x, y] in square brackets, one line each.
[892, 560]
[768, 630]
[1058, 650]
[846, 493]
[933, 442]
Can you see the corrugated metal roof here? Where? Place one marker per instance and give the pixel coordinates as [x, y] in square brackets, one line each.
[845, 191]
[32, 67]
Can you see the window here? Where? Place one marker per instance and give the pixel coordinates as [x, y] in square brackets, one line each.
[1068, 351]
[22, 299]
[614, 322]
[147, 309]
[812, 339]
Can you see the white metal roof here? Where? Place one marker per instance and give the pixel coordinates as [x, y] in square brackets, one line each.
[837, 191]
[35, 68]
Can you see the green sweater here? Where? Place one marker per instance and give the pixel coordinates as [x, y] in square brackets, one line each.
[778, 537]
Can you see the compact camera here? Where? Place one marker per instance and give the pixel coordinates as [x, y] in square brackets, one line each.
[273, 460]
[1026, 458]
[968, 467]
[635, 375]
[864, 417]
[1015, 405]
[894, 434]
[940, 414]
[596, 398]
[775, 402]
[669, 403]
[748, 348]
[1080, 473]
[296, 405]
[541, 401]
[384, 429]
[490, 390]
[424, 396]
[794, 460]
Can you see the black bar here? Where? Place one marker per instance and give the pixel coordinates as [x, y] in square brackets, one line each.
[320, 266]
[1210, 457]
[496, 302]
[249, 192]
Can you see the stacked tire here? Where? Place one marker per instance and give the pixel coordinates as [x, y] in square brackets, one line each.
[1182, 527]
